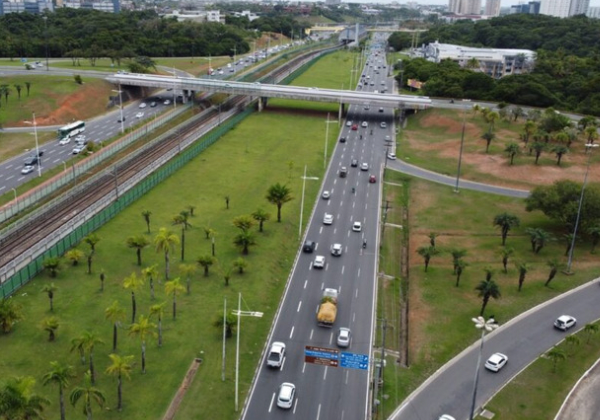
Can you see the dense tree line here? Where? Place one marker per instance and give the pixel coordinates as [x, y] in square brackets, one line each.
[89, 33]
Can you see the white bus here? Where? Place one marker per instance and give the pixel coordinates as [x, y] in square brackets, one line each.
[71, 130]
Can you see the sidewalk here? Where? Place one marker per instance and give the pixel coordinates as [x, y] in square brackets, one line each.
[583, 402]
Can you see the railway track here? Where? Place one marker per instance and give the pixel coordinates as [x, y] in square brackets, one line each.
[37, 229]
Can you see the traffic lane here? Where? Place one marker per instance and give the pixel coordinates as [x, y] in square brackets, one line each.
[521, 340]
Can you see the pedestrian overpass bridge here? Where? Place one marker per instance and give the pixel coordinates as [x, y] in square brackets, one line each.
[188, 85]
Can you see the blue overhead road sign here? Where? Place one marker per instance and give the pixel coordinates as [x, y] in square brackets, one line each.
[354, 361]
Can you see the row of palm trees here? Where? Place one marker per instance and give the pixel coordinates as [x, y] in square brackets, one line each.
[5, 90]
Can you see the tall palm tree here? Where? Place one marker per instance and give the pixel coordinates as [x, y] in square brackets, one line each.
[592, 134]
[528, 129]
[150, 273]
[180, 220]
[205, 262]
[138, 242]
[261, 217]
[556, 355]
[115, 314]
[278, 194]
[164, 242]
[59, 374]
[488, 137]
[506, 221]
[506, 253]
[594, 232]
[172, 288]
[159, 311]
[487, 289]
[539, 147]
[88, 393]
[18, 400]
[121, 366]
[554, 265]
[560, 151]
[133, 282]
[92, 240]
[187, 270]
[49, 289]
[146, 215]
[89, 340]
[10, 314]
[523, 268]
[143, 329]
[457, 254]
[459, 268]
[491, 118]
[78, 344]
[427, 252]
[512, 149]
[50, 325]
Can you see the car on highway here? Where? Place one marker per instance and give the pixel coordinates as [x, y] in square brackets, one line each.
[79, 138]
[391, 156]
[564, 322]
[120, 120]
[319, 262]
[381, 109]
[167, 102]
[336, 250]
[354, 163]
[342, 139]
[343, 172]
[153, 104]
[78, 149]
[344, 337]
[31, 160]
[142, 105]
[387, 138]
[357, 226]
[372, 179]
[365, 124]
[364, 166]
[496, 362]
[328, 219]
[276, 354]
[139, 115]
[383, 124]
[349, 123]
[64, 141]
[27, 169]
[446, 417]
[286, 395]
[354, 127]
[326, 194]
[309, 246]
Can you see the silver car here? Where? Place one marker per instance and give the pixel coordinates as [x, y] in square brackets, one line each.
[286, 395]
[344, 337]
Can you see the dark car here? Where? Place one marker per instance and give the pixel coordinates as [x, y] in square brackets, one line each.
[354, 127]
[31, 160]
[309, 246]
[342, 139]
[120, 120]
[354, 163]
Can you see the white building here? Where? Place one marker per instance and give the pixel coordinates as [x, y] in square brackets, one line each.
[492, 8]
[494, 62]
[564, 8]
[593, 12]
[465, 7]
[579, 7]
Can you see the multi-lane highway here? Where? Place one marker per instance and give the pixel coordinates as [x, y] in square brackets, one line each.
[333, 392]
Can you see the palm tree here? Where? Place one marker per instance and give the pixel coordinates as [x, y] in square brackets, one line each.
[18, 87]
[187, 270]
[205, 261]
[539, 238]
[459, 267]
[244, 240]
[78, 344]
[165, 241]
[491, 117]
[18, 402]
[146, 214]
[572, 341]
[150, 273]
[528, 130]
[243, 222]
[539, 147]
[133, 282]
[487, 289]
[506, 253]
[115, 314]
[560, 151]
[427, 252]
[457, 254]
[74, 255]
[506, 221]
[209, 232]
[159, 311]
[89, 341]
[279, 195]
[10, 314]
[121, 366]
[143, 329]
[517, 112]
[89, 394]
[523, 267]
[554, 265]
[230, 321]
[241, 264]
[92, 240]
[512, 149]
[191, 209]
[488, 137]
[590, 329]
[261, 217]
[52, 264]
[594, 232]
[226, 273]
[227, 202]
[432, 236]
[50, 325]
[50, 289]
[592, 133]
[172, 288]
[27, 86]
[181, 220]
[556, 355]
[59, 374]
[138, 242]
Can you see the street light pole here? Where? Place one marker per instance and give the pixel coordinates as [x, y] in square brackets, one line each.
[462, 141]
[121, 107]
[304, 178]
[484, 326]
[327, 122]
[37, 148]
[589, 148]
[46, 36]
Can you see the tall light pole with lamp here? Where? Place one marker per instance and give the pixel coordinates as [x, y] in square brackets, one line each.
[304, 178]
[589, 148]
[484, 326]
[37, 148]
[239, 313]
[327, 122]
[46, 36]
[121, 107]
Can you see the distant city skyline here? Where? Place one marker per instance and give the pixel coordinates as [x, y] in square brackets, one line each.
[505, 3]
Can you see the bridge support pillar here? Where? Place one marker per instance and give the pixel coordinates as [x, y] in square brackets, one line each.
[262, 103]
[341, 112]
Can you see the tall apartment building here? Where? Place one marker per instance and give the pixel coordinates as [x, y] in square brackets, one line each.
[492, 8]
[579, 7]
[533, 7]
[564, 8]
[593, 12]
[465, 7]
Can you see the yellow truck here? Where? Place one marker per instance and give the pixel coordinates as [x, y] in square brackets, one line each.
[328, 308]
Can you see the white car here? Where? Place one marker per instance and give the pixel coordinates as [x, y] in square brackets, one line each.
[286, 394]
[496, 362]
[336, 250]
[79, 138]
[276, 354]
[446, 417]
[344, 337]
[167, 102]
[319, 262]
[78, 149]
[142, 105]
[391, 156]
[383, 124]
[64, 141]
[564, 322]
[364, 166]
[326, 194]
[365, 124]
[328, 219]
[349, 123]
[27, 169]
[139, 115]
[357, 226]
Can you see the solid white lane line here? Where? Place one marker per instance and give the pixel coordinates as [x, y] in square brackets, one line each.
[343, 267]
[292, 333]
[311, 334]
[303, 367]
[358, 275]
[319, 410]
[356, 294]
[299, 306]
[324, 377]
[347, 376]
[353, 317]
[272, 400]
[305, 283]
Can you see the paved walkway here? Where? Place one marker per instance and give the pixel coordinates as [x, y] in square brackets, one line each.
[583, 402]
